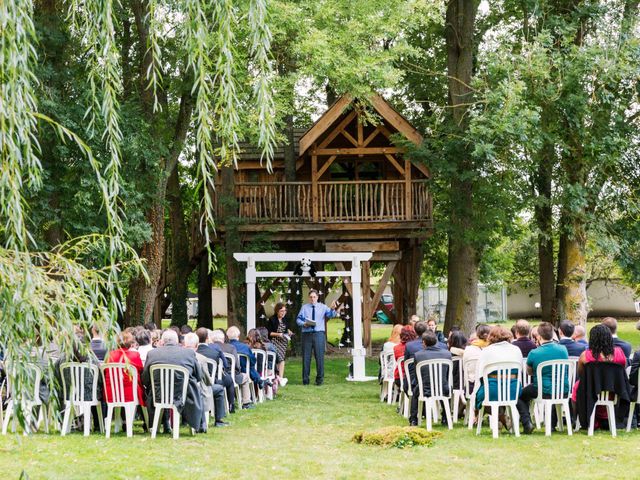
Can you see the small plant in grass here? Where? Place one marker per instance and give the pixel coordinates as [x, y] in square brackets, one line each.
[398, 437]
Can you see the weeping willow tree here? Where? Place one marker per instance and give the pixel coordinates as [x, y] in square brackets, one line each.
[45, 295]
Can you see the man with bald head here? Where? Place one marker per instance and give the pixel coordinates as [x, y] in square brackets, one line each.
[580, 335]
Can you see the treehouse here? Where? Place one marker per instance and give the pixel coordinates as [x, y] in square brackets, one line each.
[353, 191]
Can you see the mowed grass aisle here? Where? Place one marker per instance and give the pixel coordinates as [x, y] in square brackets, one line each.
[306, 433]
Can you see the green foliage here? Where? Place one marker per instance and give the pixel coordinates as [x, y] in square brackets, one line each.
[397, 437]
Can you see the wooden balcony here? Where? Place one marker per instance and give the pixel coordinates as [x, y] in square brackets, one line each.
[304, 204]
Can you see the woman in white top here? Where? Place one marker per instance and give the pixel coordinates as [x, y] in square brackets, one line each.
[473, 351]
[500, 349]
[388, 346]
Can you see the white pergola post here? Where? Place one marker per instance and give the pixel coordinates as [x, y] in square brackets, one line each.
[251, 275]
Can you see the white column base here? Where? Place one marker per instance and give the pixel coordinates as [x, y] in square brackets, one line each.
[358, 362]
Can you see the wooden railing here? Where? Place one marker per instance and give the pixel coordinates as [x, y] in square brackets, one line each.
[344, 201]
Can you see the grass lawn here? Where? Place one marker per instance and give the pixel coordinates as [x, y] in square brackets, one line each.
[306, 433]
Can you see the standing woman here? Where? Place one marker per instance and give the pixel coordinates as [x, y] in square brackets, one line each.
[279, 333]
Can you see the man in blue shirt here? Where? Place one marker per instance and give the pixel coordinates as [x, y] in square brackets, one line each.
[548, 350]
[312, 320]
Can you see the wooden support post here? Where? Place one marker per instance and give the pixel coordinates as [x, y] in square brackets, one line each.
[367, 310]
[408, 204]
[314, 187]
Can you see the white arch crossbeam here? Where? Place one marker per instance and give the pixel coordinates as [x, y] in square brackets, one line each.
[355, 276]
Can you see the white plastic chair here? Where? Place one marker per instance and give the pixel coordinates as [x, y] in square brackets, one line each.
[213, 369]
[28, 403]
[409, 394]
[271, 372]
[261, 367]
[246, 370]
[560, 394]
[502, 372]
[437, 376]
[632, 406]
[526, 378]
[231, 359]
[116, 373]
[166, 383]
[604, 399]
[75, 394]
[402, 397]
[459, 393]
[387, 366]
[574, 371]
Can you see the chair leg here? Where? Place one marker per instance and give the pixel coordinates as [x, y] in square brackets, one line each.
[176, 423]
[156, 420]
[107, 421]
[493, 421]
[429, 414]
[100, 417]
[612, 419]
[632, 411]
[86, 417]
[547, 418]
[447, 412]
[420, 406]
[471, 404]
[559, 416]
[515, 420]
[567, 414]
[537, 415]
[7, 417]
[592, 422]
[66, 419]
[480, 418]
[129, 413]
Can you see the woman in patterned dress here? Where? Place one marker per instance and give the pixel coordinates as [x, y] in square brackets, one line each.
[280, 334]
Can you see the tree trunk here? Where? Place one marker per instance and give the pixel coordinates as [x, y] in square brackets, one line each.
[463, 258]
[562, 272]
[576, 303]
[179, 251]
[544, 221]
[205, 306]
[236, 287]
[142, 295]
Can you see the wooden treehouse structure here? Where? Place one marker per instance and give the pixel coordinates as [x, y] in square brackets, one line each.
[354, 191]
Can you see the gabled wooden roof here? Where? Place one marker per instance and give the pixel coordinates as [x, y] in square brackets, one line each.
[380, 105]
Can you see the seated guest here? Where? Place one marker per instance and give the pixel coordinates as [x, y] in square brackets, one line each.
[612, 324]
[565, 332]
[218, 338]
[473, 351]
[534, 336]
[173, 354]
[125, 354]
[431, 351]
[407, 334]
[548, 350]
[457, 343]
[98, 347]
[580, 336]
[210, 390]
[601, 349]
[389, 346]
[433, 326]
[213, 352]
[523, 341]
[413, 346]
[500, 349]
[413, 319]
[143, 339]
[243, 349]
[633, 374]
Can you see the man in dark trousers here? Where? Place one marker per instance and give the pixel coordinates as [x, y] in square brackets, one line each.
[431, 351]
[172, 353]
[312, 320]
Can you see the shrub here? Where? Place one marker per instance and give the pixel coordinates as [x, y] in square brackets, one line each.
[398, 437]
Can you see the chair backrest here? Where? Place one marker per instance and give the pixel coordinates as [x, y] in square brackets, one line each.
[261, 361]
[116, 373]
[574, 370]
[458, 361]
[438, 375]
[247, 363]
[231, 359]
[220, 369]
[400, 368]
[34, 372]
[212, 369]
[271, 365]
[560, 371]
[407, 375]
[502, 373]
[83, 381]
[387, 365]
[525, 377]
[163, 388]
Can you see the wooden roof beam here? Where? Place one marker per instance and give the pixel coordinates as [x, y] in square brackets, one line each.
[341, 126]
[357, 151]
[395, 163]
